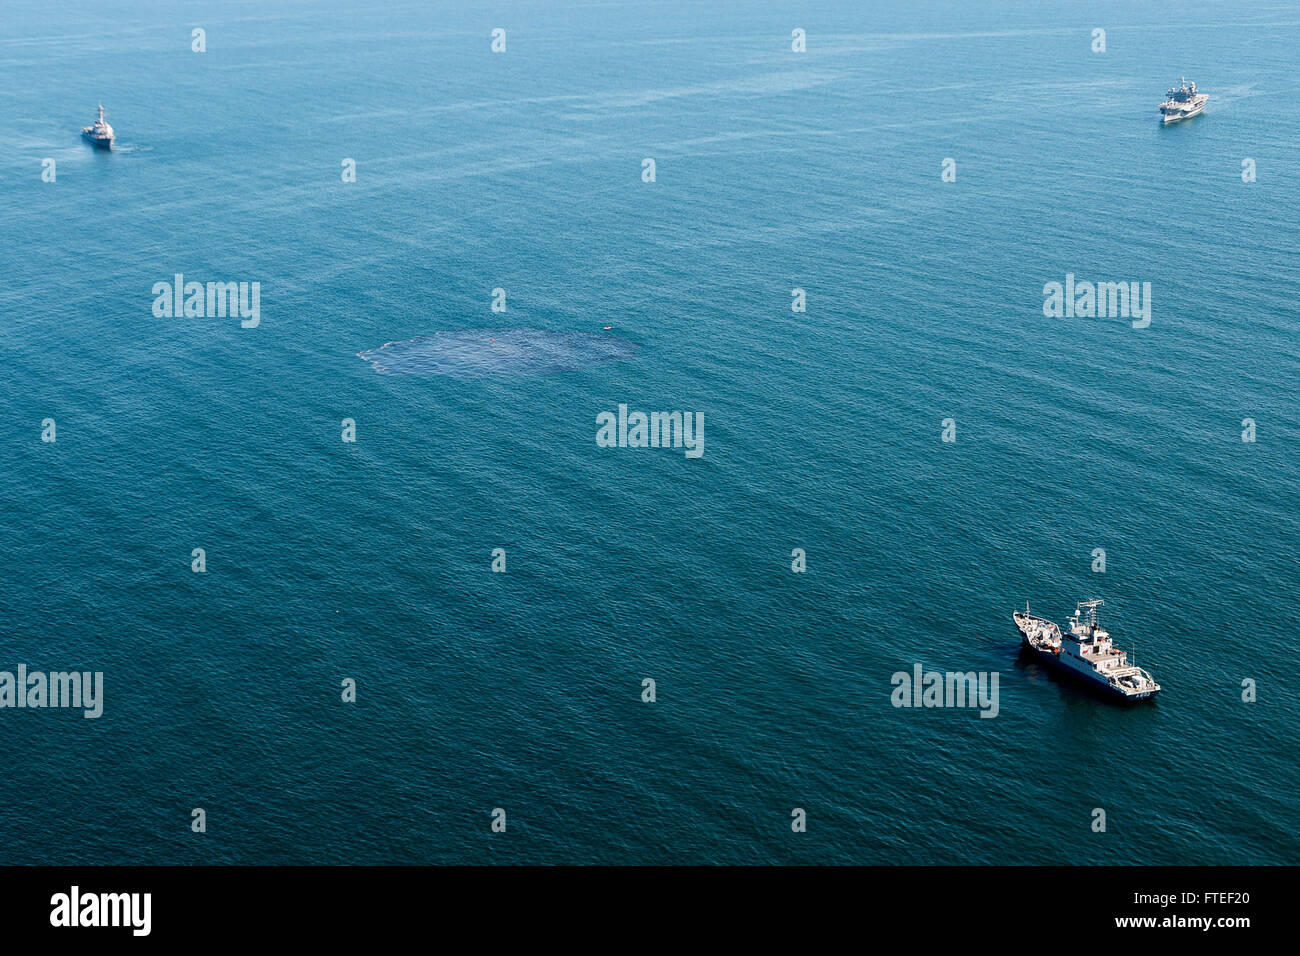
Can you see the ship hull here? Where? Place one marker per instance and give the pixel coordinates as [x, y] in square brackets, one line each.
[97, 142]
[1183, 115]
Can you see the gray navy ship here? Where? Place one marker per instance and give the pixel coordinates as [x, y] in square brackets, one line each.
[99, 132]
[1086, 652]
[1183, 102]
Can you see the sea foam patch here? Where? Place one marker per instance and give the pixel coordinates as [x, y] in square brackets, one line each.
[491, 353]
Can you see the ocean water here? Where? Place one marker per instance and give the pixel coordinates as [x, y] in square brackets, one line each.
[522, 171]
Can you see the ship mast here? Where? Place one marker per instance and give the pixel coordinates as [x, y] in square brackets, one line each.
[1089, 609]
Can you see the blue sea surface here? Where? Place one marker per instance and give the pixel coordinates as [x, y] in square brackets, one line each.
[372, 560]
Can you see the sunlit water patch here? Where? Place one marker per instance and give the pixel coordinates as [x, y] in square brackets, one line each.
[489, 353]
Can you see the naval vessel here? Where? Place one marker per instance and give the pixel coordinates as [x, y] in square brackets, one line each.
[1085, 651]
[99, 132]
[1182, 102]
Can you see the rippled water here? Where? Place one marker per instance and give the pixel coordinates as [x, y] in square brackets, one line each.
[371, 559]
